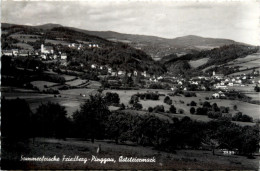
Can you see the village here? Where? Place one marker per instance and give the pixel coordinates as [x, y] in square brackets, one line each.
[210, 82]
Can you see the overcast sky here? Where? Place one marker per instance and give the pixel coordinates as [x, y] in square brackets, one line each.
[238, 21]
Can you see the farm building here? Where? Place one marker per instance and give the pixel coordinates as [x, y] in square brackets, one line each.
[47, 49]
[23, 53]
[7, 52]
[63, 56]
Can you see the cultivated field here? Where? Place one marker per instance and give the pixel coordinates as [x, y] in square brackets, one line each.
[56, 42]
[43, 84]
[76, 82]
[24, 46]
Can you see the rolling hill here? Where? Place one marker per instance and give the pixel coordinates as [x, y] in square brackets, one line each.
[156, 47]
[126, 51]
[115, 54]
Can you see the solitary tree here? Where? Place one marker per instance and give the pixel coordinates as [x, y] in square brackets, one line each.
[51, 120]
[91, 118]
[192, 110]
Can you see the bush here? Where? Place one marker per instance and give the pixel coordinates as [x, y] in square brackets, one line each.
[173, 109]
[192, 103]
[202, 111]
[150, 109]
[147, 96]
[112, 98]
[214, 115]
[189, 94]
[134, 99]
[122, 106]
[167, 100]
[206, 104]
[192, 110]
[243, 118]
[158, 108]
[181, 111]
[137, 106]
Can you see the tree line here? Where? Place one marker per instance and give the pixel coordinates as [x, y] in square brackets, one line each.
[94, 121]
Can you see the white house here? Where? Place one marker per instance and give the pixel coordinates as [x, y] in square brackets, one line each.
[63, 56]
[15, 52]
[159, 78]
[215, 95]
[7, 52]
[230, 84]
[47, 49]
[143, 73]
[43, 56]
[239, 81]
[109, 70]
[93, 66]
[135, 73]
[23, 53]
[113, 73]
[121, 72]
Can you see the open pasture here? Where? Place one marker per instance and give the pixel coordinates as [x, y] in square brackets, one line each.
[56, 42]
[199, 62]
[94, 85]
[68, 77]
[43, 84]
[76, 82]
[24, 46]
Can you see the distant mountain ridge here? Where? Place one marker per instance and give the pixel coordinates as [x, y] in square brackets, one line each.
[154, 46]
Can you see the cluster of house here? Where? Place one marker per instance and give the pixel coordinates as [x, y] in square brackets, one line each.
[75, 46]
[48, 51]
[80, 46]
[120, 72]
[218, 94]
[17, 52]
[234, 81]
[45, 52]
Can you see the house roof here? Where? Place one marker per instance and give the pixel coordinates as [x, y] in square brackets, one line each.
[48, 47]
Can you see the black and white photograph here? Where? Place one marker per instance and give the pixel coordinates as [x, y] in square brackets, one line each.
[130, 84]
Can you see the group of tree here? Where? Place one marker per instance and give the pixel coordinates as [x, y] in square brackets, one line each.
[112, 98]
[94, 121]
[215, 112]
[147, 96]
[242, 117]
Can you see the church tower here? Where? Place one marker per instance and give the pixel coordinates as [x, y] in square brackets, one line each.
[42, 48]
